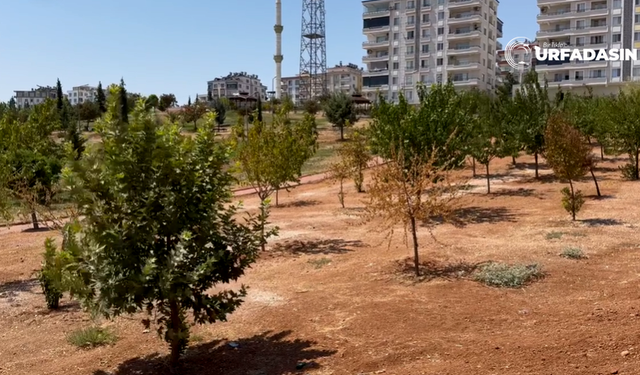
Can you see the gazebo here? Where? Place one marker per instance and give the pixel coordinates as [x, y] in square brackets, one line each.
[362, 104]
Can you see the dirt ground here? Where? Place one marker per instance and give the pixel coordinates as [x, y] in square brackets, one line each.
[329, 293]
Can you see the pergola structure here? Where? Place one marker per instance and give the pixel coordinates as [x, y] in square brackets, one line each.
[246, 104]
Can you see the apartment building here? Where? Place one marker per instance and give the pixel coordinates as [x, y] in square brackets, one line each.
[235, 83]
[346, 78]
[81, 94]
[524, 55]
[429, 41]
[597, 24]
[29, 98]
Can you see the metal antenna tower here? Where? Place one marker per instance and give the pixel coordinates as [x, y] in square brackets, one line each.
[313, 50]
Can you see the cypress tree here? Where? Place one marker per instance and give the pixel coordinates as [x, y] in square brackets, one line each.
[124, 105]
[189, 102]
[60, 96]
[101, 98]
[259, 110]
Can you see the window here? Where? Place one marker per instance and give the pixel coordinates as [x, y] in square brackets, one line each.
[439, 62]
[617, 21]
[580, 41]
[396, 21]
[636, 36]
[409, 64]
[439, 78]
[424, 63]
[617, 4]
[396, 36]
[425, 18]
[426, 3]
[440, 30]
[616, 38]
[582, 7]
[440, 16]
[410, 50]
[580, 24]
[615, 73]
[426, 33]
[411, 4]
[394, 80]
[425, 48]
[408, 80]
[579, 75]
[395, 66]
[411, 20]
[636, 20]
[636, 72]
[440, 46]
[409, 95]
[410, 35]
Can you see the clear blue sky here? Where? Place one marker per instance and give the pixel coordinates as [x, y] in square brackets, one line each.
[167, 46]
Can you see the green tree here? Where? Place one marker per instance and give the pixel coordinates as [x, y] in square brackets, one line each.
[12, 103]
[59, 96]
[569, 157]
[259, 109]
[123, 102]
[152, 101]
[209, 96]
[30, 159]
[184, 239]
[438, 123]
[339, 110]
[88, 111]
[101, 98]
[532, 107]
[621, 118]
[167, 101]
[355, 155]
[287, 104]
[311, 106]
[189, 102]
[220, 110]
[271, 156]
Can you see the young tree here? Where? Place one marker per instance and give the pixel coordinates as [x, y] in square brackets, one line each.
[621, 117]
[209, 96]
[532, 107]
[287, 104]
[356, 156]
[311, 106]
[194, 112]
[88, 111]
[158, 231]
[271, 156]
[101, 98]
[189, 102]
[339, 110]
[259, 110]
[220, 110]
[569, 157]
[152, 101]
[340, 171]
[410, 192]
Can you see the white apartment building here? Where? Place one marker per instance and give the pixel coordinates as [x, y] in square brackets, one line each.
[29, 98]
[346, 78]
[597, 24]
[236, 83]
[81, 94]
[411, 41]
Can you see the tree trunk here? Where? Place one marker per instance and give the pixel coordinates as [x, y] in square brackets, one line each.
[637, 164]
[176, 328]
[341, 195]
[473, 166]
[277, 191]
[414, 233]
[573, 206]
[536, 157]
[513, 160]
[595, 181]
[262, 224]
[34, 220]
[488, 180]
[342, 132]
[601, 152]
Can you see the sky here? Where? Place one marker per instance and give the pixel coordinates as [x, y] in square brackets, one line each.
[169, 46]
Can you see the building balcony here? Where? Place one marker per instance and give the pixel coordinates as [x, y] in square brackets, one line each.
[564, 15]
[375, 88]
[464, 18]
[470, 81]
[410, 10]
[463, 35]
[376, 13]
[376, 43]
[375, 73]
[411, 25]
[463, 66]
[374, 58]
[459, 4]
[567, 31]
[578, 81]
[463, 50]
[376, 30]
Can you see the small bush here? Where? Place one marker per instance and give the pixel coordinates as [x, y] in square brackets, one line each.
[572, 203]
[91, 337]
[628, 171]
[319, 263]
[508, 276]
[554, 235]
[50, 276]
[572, 253]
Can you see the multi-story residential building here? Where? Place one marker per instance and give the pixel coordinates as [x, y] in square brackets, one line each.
[36, 96]
[346, 78]
[411, 41]
[235, 83]
[596, 24]
[521, 55]
[81, 94]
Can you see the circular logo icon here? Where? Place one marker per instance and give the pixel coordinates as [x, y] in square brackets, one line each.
[519, 45]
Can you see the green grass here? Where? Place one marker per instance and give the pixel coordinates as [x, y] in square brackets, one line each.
[321, 161]
[554, 235]
[573, 253]
[91, 337]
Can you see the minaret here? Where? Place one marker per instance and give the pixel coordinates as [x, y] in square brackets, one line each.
[278, 56]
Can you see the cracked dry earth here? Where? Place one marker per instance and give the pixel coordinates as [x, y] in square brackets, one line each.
[328, 296]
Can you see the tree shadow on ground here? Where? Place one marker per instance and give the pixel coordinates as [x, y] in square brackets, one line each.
[431, 269]
[39, 230]
[264, 354]
[332, 246]
[520, 192]
[482, 215]
[601, 222]
[520, 165]
[18, 286]
[298, 203]
[542, 178]
[601, 197]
